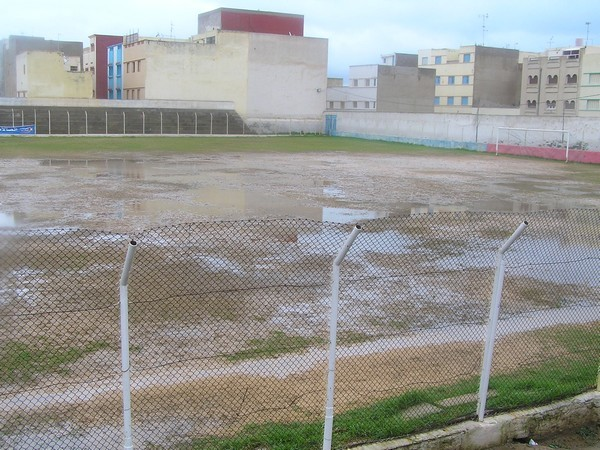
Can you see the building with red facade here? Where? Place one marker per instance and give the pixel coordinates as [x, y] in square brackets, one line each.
[95, 60]
[228, 19]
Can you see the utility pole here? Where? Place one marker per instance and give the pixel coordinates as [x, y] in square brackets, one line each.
[587, 34]
[483, 29]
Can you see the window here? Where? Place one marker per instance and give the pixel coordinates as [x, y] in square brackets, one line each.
[73, 68]
[425, 60]
[593, 104]
[572, 79]
[532, 79]
[550, 105]
[436, 100]
[374, 81]
[110, 93]
[450, 101]
[438, 59]
[465, 79]
[451, 79]
[110, 71]
[118, 70]
[367, 82]
[92, 47]
[531, 104]
[330, 105]
[467, 57]
[464, 101]
[437, 80]
[552, 79]
[354, 82]
[355, 105]
[569, 104]
[367, 105]
[594, 78]
[119, 94]
[24, 69]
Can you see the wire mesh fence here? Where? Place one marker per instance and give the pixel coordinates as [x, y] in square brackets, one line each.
[229, 328]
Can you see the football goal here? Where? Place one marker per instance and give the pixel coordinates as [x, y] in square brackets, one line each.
[533, 137]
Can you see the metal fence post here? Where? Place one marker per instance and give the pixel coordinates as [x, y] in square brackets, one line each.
[335, 297]
[493, 321]
[124, 315]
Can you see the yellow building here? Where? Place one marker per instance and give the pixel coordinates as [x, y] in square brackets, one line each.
[474, 76]
[51, 75]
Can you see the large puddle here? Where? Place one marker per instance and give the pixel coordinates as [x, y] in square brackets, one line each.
[148, 191]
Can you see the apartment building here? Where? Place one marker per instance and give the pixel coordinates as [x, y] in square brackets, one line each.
[95, 60]
[562, 82]
[115, 71]
[51, 75]
[271, 73]
[473, 77]
[15, 45]
[397, 85]
[588, 101]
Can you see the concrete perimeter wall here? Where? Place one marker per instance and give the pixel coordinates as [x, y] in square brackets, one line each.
[469, 131]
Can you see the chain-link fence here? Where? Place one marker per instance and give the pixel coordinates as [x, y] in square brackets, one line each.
[229, 328]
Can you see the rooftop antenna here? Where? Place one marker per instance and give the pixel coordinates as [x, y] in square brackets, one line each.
[550, 42]
[483, 28]
[171, 29]
[587, 34]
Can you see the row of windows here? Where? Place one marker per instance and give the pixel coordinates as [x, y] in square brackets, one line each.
[551, 104]
[450, 101]
[114, 94]
[133, 66]
[464, 57]
[134, 94]
[364, 82]
[451, 80]
[553, 79]
[352, 105]
[111, 70]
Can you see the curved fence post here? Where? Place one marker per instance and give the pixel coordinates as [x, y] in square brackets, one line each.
[335, 300]
[493, 321]
[125, 374]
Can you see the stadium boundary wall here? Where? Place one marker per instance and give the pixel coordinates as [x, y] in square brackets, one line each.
[468, 131]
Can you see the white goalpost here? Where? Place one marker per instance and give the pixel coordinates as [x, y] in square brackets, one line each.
[534, 137]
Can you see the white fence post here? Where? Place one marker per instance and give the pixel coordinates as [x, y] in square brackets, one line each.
[493, 321]
[124, 314]
[335, 297]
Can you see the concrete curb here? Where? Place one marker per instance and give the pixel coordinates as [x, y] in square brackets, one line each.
[544, 420]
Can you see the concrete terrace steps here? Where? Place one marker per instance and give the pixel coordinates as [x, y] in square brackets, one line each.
[132, 121]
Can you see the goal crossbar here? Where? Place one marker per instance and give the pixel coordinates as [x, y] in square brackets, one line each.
[536, 130]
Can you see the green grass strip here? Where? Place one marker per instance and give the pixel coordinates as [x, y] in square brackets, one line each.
[20, 362]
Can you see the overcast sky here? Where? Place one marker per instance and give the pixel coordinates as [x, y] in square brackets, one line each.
[359, 31]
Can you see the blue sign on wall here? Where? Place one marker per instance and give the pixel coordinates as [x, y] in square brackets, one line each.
[25, 129]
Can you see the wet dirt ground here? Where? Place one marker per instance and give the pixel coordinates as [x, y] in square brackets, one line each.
[126, 191]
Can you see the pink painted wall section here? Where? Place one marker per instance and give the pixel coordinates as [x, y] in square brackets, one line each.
[582, 156]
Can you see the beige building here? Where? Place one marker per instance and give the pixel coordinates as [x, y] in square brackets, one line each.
[550, 83]
[562, 82]
[588, 103]
[474, 77]
[397, 85]
[42, 74]
[264, 75]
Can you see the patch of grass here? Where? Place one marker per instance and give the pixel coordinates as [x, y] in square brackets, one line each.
[57, 145]
[543, 383]
[21, 362]
[277, 344]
